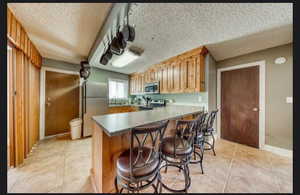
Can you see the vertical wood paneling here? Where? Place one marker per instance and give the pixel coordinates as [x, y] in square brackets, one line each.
[13, 28]
[9, 22]
[22, 42]
[26, 100]
[11, 108]
[19, 107]
[17, 36]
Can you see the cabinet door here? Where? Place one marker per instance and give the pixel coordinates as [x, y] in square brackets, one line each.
[177, 77]
[200, 73]
[170, 77]
[164, 73]
[130, 85]
[142, 82]
[191, 68]
[152, 76]
[183, 75]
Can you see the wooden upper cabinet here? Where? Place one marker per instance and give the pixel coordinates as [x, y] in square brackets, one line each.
[184, 73]
[164, 83]
[200, 72]
[191, 71]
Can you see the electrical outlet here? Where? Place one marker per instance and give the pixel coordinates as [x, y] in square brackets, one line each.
[199, 99]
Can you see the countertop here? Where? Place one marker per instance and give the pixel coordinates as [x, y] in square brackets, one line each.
[116, 124]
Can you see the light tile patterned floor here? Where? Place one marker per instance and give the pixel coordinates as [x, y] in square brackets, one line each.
[62, 165]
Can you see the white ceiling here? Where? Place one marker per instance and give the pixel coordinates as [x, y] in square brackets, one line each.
[66, 32]
[62, 31]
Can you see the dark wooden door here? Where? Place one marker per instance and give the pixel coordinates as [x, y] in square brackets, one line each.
[62, 102]
[240, 106]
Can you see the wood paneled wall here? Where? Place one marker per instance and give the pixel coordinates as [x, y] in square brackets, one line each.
[24, 99]
[24, 103]
[17, 35]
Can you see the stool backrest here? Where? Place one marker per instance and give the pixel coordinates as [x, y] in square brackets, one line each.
[146, 136]
[185, 130]
[200, 121]
[211, 119]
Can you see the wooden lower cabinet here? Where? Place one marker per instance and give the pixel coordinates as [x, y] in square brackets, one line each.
[120, 109]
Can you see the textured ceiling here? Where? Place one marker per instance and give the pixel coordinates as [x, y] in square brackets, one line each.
[62, 31]
[230, 29]
[66, 31]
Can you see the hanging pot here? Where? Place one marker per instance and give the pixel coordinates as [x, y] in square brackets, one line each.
[106, 56]
[116, 47]
[128, 33]
[121, 40]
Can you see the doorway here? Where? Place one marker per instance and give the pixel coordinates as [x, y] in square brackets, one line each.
[61, 101]
[241, 100]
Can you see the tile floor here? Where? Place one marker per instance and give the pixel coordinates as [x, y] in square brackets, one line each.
[62, 165]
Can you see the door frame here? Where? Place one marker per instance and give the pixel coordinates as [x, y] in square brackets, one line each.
[262, 109]
[43, 98]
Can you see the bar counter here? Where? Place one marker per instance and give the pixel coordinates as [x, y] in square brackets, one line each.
[111, 136]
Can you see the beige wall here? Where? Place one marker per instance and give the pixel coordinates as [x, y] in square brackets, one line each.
[279, 85]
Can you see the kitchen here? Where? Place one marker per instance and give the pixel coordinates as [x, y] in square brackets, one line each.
[136, 72]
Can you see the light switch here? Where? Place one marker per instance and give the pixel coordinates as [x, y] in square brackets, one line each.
[289, 100]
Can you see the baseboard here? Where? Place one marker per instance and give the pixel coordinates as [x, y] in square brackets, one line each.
[279, 151]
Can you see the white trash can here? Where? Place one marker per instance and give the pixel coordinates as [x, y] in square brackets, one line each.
[75, 125]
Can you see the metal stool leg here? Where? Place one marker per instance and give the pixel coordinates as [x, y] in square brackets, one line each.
[116, 185]
[213, 144]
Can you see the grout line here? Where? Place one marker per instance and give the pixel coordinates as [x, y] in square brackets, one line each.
[229, 170]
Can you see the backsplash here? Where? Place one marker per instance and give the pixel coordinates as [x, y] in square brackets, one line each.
[184, 98]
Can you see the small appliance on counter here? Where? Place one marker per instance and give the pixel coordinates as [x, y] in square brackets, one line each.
[158, 103]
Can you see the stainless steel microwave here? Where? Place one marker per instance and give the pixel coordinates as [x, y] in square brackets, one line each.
[151, 88]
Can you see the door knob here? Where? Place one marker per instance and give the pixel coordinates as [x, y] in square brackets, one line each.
[255, 109]
[48, 103]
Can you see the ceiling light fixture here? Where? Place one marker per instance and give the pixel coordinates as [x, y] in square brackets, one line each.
[124, 59]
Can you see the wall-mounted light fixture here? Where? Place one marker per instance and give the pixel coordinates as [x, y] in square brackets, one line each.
[280, 60]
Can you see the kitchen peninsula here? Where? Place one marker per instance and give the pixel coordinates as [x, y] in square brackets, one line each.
[111, 136]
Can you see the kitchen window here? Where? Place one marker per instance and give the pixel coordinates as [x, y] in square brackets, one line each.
[118, 89]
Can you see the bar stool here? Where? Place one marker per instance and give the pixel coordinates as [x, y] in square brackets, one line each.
[199, 141]
[138, 167]
[208, 131]
[176, 151]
